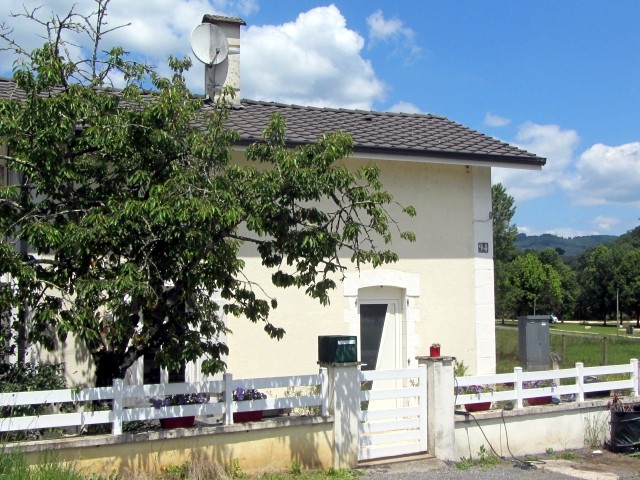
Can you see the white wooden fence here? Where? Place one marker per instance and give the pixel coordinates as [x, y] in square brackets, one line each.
[395, 421]
[120, 396]
[139, 395]
[520, 380]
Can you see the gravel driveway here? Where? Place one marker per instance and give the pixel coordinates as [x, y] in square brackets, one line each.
[584, 464]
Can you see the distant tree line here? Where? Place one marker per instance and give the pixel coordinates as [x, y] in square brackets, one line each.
[600, 284]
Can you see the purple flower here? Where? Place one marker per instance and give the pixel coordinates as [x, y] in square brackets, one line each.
[179, 399]
[538, 384]
[473, 389]
[240, 394]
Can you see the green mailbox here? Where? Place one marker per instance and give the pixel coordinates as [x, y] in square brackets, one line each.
[337, 349]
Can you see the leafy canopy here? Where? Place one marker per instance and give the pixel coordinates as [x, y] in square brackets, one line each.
[134, 213]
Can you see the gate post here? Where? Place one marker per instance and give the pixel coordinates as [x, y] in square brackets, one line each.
[344, 405]
[441, 439]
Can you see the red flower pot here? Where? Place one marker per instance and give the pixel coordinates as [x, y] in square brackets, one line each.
[477, 407]
[539, 400]
[177, 422]
[242, 417]
[434, 351]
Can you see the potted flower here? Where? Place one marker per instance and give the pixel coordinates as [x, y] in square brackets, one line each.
[239, 395]
[475, 390]
[434, 350]
[175, 400]
[542, 400]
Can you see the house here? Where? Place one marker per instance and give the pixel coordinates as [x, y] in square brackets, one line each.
[440, 291]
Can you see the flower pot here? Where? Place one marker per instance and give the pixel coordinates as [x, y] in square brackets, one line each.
[177, 422]
[477, 407]
[242, 417]
[539, 400]
[434, 351]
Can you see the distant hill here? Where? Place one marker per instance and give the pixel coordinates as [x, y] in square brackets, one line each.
[572, 247]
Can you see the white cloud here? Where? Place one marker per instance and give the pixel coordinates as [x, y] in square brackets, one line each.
[405, 107]
[605, 223]
[315, 60]
[492, 120]
[607, 175]
[549, 141]
[157, 28]
[394, 31]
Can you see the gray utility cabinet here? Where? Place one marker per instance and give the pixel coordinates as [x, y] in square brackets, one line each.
[533, 342]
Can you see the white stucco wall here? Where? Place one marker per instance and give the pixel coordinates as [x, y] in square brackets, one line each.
[445, 285]
[451, 301]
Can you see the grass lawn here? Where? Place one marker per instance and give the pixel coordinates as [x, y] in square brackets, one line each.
[571, 346]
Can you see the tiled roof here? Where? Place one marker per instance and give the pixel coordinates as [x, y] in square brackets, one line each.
[380, 133]
[374, 133]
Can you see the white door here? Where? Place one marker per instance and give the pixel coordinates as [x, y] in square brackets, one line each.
[380, 345]
[380, 335]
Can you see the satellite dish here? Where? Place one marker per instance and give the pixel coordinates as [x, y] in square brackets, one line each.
[209, 44]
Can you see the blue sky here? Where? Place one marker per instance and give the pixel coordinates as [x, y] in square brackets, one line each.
[558, 78]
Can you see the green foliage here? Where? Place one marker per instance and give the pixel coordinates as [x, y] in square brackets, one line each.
[28, 378]
[504, 250]
[485, 460]
[504, 233]
[14, 467]
[459, 368]
[296, 468]
[531, 285]
[135, 214]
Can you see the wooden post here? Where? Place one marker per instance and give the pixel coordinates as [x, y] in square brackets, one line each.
[605, 350]
[118, 402]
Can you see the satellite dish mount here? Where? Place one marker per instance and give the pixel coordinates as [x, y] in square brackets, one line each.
[211, 46]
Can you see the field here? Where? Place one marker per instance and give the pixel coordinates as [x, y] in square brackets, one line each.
[595, 346]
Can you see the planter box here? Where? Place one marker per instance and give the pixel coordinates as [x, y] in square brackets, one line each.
[177, 422]
[539, 400]
[477, 407]
[242, 417]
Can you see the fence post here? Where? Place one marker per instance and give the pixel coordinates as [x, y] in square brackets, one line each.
[518, 386]
[635, 376]
[344, 405]
[605, 350]
[228, 399]
[580, 381]
[441, 425]
[324, 392]
[116, 407]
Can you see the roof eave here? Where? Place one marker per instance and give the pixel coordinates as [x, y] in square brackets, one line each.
[431, 156]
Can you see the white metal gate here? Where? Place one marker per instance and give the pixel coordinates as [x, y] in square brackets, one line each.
[393, 413]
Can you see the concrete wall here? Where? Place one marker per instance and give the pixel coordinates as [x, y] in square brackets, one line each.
[532, 430]
[271, 445]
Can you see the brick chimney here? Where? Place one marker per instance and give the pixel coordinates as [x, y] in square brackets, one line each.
[226, 72]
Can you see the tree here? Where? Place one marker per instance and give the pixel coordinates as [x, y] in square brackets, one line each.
[534, 287]
[564, 306]
[504, 249]
[504, 233]
[134, 213]
[628, 280]
[596, 275]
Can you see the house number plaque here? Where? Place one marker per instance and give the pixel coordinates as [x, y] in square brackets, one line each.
[483, 247]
